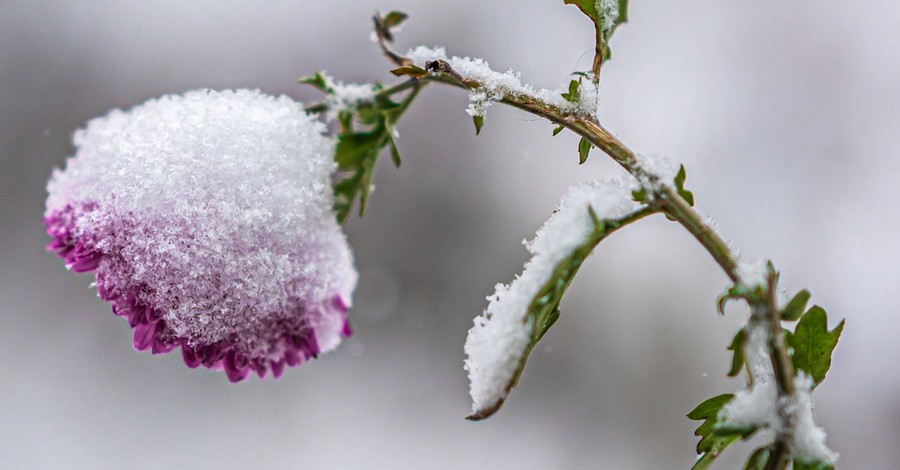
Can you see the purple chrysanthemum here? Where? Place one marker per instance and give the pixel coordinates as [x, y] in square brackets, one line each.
[207, 220]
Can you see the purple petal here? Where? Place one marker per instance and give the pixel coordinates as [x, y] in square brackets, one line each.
[143, 336]
[190, 357]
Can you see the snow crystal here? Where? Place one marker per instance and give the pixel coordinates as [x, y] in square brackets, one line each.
[501, 334]
[654, 171]
[496, 85]
[342, 96]
[757, 405]
[808, 442]
[752, 272]
[760, 405]
[214, 208]
[609, 13]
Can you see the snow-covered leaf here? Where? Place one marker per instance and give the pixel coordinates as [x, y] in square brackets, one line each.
[519, 314]
[713, 438]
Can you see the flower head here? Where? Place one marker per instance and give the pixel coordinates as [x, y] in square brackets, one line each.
[207, 220]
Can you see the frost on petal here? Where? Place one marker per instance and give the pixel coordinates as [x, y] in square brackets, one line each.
[207, 220]
[502, 336]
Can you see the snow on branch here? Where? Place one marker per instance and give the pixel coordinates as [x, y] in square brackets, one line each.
[495, 86]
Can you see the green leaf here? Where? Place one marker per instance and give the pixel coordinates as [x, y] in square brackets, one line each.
[356, 152]
[710, 407]
[737, 346]
[704, 461]
[813, 343]
[317, 80]
[758, 459]
[584, 148]
[395, 152]
[547, 323]
[574, 93]
[679, 186]
[345, 121]
[796, 306]
[733, 292]
[623, 12]
[558, 130]
[384, 25]
[800, 465]
[639, 195]
[394, 19]
[479, 123]
[604, 31]
[410, 70]
[713, 438]
[353, 149]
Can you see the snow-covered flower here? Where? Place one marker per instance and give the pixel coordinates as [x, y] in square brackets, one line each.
[207, 220]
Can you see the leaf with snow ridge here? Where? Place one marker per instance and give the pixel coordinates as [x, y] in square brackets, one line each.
[543, 311]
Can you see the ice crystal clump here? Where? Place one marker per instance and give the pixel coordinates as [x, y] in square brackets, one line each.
[760, 406]
[808, 443]
[756, 405]
[207, 218]
[654, 171]
[500, 337]
[343, 96]
[496, 85]
[609, 13]
[751, 272]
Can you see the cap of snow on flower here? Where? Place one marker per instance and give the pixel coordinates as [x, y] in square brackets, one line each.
[207, 220]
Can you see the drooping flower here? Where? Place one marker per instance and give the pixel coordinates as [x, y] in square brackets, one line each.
[207, 220]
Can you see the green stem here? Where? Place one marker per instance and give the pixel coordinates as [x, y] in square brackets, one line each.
[668, 200]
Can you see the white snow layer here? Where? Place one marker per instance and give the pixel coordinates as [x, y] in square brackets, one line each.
[501, 334]
[609, 13]
[220, 201]
[808, 442]
[752, 272]
[342, 96]
[496, 85]
[757, 405]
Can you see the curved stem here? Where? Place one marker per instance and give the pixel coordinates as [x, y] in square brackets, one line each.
[667, 199]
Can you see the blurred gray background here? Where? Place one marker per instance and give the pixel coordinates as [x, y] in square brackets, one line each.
[786, 114]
